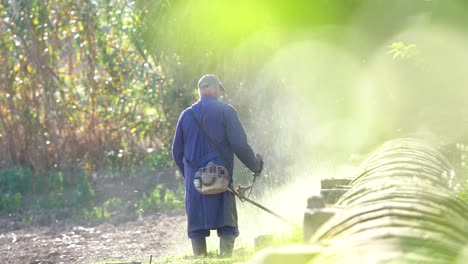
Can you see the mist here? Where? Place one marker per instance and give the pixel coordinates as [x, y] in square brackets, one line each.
[320, 88]
[320, 104]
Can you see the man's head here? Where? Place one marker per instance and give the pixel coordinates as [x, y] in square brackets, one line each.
[209, 84]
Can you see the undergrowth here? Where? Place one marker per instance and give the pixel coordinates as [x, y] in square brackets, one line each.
[24, 193]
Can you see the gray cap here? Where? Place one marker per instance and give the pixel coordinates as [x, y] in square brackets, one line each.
[209, 80]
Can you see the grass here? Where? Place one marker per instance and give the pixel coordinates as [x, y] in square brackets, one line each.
[212, 258]
[464, 193]
[241, 253]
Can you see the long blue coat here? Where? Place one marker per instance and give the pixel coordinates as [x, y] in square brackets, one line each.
[191, 150]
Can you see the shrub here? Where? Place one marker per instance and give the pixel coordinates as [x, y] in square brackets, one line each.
[14, 183]
[159, 199]
[161, 159]
[95, 213]
[10, 202]
[113, 206]
[56, 189]
[83, 193]
[55, 200]
[171, 202]
[16, 180]
[56, 182]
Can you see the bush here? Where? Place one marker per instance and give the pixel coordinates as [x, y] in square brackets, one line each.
[56, 189]
[16, 180]
[55, 200]
[10, 202]
[83, 193]
[95, 213]
[171, 202]
[113, 206]
[62, 193]
[14, 183]
[131, 101]
[56, 182]
[161, 159]
[160, 199]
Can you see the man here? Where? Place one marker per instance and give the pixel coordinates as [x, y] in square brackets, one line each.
[191, 150]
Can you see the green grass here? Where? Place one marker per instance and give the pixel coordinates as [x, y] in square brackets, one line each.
[464, 193]
[241, 253]
[212, 258]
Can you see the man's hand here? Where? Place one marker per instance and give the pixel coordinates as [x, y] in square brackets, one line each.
[260, 159]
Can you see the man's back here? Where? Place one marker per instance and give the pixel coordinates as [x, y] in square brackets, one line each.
[221, 123]
[210, 112]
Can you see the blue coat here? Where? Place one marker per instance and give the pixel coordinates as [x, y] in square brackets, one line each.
[222, 124]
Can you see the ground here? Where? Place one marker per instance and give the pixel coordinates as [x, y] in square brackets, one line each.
[48, 239]
[132, 241]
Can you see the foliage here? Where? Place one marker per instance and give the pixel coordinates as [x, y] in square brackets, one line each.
[79, 95]
[159, 199]
[401, 51]
[10, 202]
[79, 90]
[113, 205]
[16, 180]
[66, 194]
[464, 193]
[56, 185]
[83, 193]
[75, 198]
[94, 213]
[14, 183]
[56, 182]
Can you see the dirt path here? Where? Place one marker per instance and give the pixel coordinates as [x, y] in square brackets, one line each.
[156, 235]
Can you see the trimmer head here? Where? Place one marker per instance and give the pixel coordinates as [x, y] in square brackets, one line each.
[242, 191]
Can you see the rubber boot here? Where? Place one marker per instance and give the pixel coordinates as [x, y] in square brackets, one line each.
[226, 245]
[199, 246]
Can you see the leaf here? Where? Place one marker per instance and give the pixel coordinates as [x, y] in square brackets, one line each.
[398, 53]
